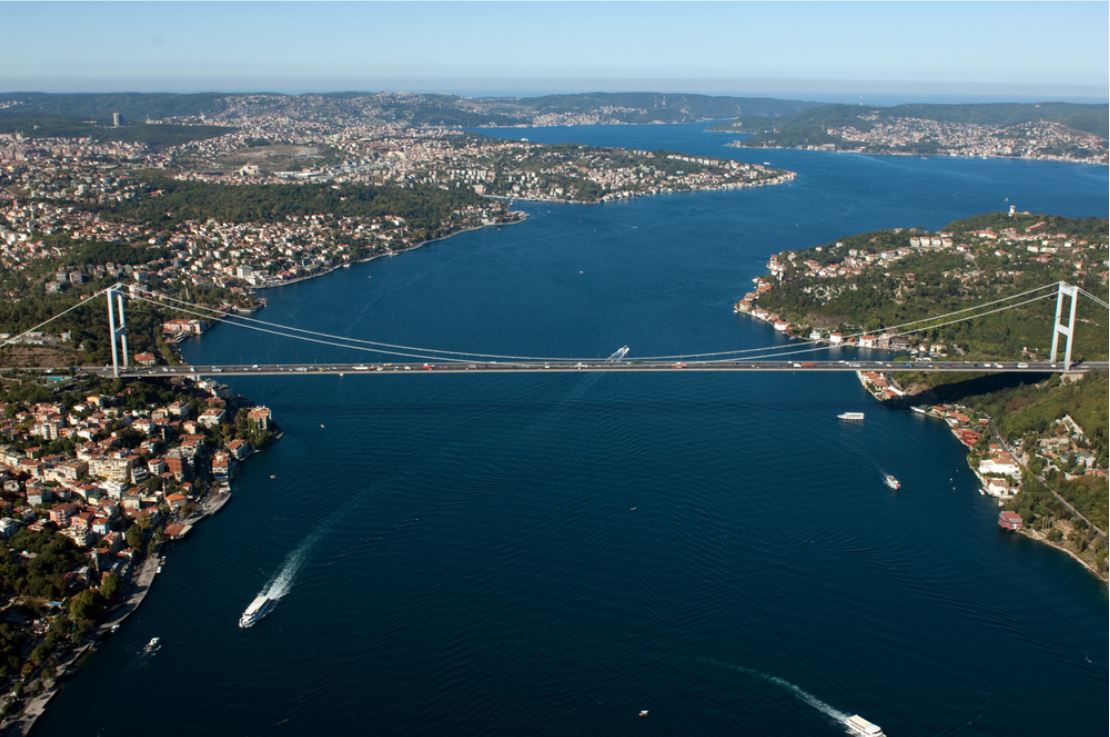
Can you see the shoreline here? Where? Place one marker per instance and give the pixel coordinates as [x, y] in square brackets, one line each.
[390, 254]
[140, 582]
[1032, 534]
[1057, 159]
[925, 411]
[138, 587]
[786, 178]
[1040, 537]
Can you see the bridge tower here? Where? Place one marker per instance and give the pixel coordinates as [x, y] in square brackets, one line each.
[117, 327]
[1059, 328]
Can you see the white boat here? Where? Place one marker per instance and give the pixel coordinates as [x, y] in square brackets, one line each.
[851, 416]
[256, 610]
[860, 726]
[892, 482]
[153, 645]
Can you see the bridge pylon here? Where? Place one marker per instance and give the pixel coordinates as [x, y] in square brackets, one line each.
[117, 327]
[1058, 328]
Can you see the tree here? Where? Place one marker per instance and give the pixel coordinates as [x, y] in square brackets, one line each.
[82, 610]
[110, 587]
[134, 536]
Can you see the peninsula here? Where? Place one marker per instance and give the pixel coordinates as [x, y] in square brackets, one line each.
[214, 196]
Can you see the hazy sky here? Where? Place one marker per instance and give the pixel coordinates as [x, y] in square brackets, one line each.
[994, 49]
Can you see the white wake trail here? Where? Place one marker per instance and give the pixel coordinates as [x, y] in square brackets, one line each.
[282, 582]
[797, 691]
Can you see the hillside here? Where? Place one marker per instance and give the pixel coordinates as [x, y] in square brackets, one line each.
[1026, 130]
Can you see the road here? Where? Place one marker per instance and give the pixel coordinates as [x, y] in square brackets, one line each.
[597, 366]
[1044, 482]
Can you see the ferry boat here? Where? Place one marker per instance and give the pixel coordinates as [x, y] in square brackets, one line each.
[851, 416]
[859, 726]
[256, 610]
[892, 482]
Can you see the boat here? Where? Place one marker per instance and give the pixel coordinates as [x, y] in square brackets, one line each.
[115, 627]
[860, 726]
[892, 482]
[256, 610]
[644, 712]
[153, 645]
[851, 416]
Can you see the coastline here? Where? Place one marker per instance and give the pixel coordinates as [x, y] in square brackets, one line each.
[138, 587]
[785, 178]
[1042, 538]
[1027, 532]
[875, 392]
[864, 152]
[390, 254]
[140, 582]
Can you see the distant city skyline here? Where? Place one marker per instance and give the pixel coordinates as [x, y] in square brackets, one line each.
[878, 51]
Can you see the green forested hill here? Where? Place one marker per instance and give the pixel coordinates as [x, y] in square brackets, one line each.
[935, 281]
[182, 200]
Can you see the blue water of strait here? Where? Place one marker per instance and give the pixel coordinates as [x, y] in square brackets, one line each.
[552, 554]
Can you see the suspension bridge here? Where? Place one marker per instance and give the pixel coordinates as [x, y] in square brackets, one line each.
[422, 359]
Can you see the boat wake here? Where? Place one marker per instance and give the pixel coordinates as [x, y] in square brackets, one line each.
[281, 583]
[836, 715]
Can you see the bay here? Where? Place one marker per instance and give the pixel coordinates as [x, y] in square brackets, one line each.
[549, 555]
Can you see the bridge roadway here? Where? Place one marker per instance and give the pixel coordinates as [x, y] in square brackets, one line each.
[599, 365]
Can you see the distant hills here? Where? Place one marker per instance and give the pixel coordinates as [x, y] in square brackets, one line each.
[810, 126]
[624, 107]
[768, 120]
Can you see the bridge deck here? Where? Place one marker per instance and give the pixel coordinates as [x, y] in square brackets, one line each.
[600, 365]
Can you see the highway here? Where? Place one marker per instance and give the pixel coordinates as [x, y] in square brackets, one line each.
[601, 365]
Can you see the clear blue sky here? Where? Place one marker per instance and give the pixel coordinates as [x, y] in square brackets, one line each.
[995, 49]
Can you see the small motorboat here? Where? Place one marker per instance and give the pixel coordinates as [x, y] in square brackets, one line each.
[892, 482]
[153, 645]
